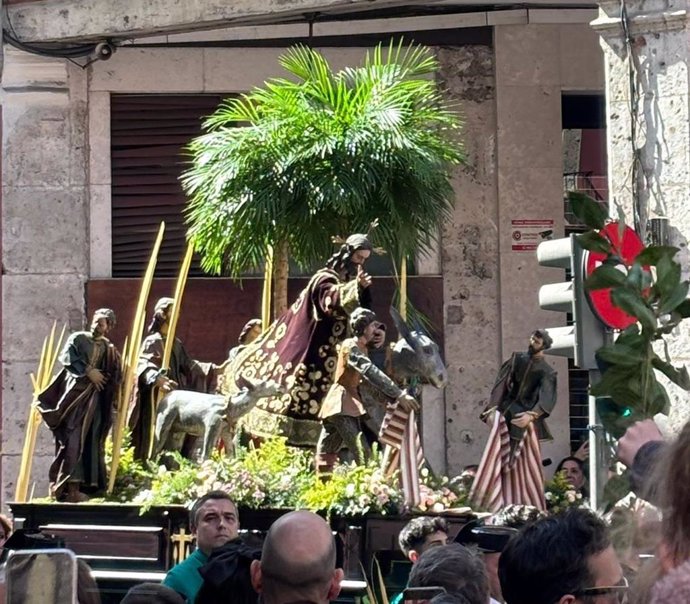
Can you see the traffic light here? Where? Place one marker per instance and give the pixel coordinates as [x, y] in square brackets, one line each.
[586, 335]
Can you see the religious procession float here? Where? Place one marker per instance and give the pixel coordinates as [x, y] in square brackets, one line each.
[318, 404]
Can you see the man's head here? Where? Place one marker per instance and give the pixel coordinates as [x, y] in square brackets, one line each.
[492, 536]
[421, 534]
[539, 341]
[454, 567]
[161, 314]
[352, 254]
[562, 559]
[297, 561]
[363, 323]
[250, 331]
[103, 322]
[214, 521]
[152, 593]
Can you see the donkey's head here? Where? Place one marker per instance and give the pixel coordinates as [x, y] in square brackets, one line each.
[415, 354]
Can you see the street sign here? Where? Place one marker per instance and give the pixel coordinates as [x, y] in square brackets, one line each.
[628, 245]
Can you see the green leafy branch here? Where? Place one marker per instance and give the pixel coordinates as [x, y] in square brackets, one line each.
[650, 289]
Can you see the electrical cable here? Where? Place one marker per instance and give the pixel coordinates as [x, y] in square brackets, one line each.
[47, 50]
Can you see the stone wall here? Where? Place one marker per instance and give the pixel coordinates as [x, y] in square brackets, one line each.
[44, 232]
[512, 103]
[658, 130]
[470, 255]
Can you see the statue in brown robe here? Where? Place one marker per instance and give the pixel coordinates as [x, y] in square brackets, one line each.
[78, 408]
[184, 372]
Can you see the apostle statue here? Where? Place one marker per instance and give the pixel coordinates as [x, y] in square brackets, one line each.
[342, 410]
[153, 380]
[523, 395]
[78, 408]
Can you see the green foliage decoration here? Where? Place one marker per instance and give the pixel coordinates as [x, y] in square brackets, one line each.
[276, 475]
[649, 288]
[324, 152]
[354, 489]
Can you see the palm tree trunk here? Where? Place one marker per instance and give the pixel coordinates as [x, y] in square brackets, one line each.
[281, 272]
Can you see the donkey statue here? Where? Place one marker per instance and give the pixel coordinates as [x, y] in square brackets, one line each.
[210, 416]
[414, 356]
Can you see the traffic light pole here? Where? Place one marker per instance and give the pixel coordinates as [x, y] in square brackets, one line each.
[579, 341]
[598, 462]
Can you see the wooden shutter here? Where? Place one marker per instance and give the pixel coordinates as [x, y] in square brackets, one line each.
[148, 136]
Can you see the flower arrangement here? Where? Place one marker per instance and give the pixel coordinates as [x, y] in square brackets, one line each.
[273, 475]
[439, 493]
[560, 494]
[276, 475]
[354, 489]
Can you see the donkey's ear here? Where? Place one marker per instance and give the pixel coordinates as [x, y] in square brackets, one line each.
[402, 327]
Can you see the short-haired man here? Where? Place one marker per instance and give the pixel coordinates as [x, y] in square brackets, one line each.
[455, 568]
[214, 522]
[151, 593]
[421, 534]
[297, 561]
[562, 559]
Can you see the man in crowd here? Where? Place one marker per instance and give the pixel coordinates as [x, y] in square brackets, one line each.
[151, 593]
[562, 559]
[419, 535]
[456, 569]
[78, 408]
[491, 535]
[422, 533]
[297, 562]
[214, 522]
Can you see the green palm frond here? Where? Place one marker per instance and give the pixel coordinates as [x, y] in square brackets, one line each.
[321, 152]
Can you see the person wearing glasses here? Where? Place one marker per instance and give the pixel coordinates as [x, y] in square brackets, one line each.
[563, 559]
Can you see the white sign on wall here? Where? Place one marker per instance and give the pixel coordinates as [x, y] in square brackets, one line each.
[527, 234]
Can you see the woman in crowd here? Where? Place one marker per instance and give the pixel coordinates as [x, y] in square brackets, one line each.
[574, 470]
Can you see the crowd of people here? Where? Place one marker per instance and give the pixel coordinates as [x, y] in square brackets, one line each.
[519, 555]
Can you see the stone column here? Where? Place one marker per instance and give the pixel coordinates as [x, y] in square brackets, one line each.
[647, 87]
[44, 234]
[469, 254]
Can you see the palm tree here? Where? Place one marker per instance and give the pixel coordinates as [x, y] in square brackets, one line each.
[290, 164]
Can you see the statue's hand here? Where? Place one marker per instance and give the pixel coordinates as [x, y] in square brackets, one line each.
[487, 415]
[363, 278]
[166, 384]
[408, 402]
[97, 378]
[522, 420]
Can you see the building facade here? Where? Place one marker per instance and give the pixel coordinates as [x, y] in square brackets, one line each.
[508, 70]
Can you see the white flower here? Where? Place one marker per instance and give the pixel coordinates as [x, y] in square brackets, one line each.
[437, 507]
[350, 490]
[549, 496]
[570, 496]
